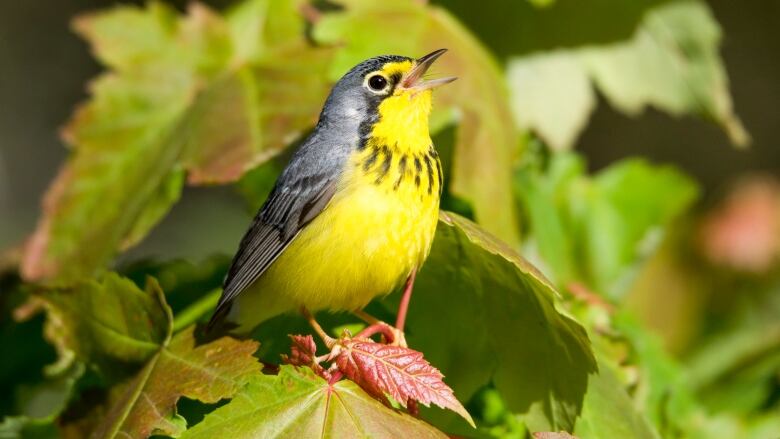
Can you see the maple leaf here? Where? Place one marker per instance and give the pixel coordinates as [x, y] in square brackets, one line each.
[303, 352]
[400, 372]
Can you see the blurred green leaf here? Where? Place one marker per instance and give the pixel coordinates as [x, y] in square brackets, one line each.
[552, 95]
[736, 369]
[595, 230]
[107, 323]
[21, 427]
[297, 403]
[608, 412]
[500, 323]
[671, 63]
[183, 94]
[486, 139]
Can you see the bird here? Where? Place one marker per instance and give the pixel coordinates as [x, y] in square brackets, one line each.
[353, 214]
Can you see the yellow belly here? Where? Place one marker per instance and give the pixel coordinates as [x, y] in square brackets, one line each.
[364, 244]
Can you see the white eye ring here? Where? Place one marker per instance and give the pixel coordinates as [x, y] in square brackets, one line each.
[377, 83]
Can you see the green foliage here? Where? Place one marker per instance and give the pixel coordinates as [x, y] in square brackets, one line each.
[215, 98]
[594, 229]
[297, 403]
[184, 93]
[513, 324]
[671, 63]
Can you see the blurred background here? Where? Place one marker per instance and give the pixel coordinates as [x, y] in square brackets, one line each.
[45, 68]
[683, 261]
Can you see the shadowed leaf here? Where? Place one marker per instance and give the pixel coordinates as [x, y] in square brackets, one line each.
[297, 403]
[107, 323]
[399, 372]
[500, 325]
[608, 411]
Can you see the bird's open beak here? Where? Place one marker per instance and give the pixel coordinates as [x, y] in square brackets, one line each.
[413, 79]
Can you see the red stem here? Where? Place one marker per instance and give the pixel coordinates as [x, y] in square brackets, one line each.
[404, 306]
[377, 328]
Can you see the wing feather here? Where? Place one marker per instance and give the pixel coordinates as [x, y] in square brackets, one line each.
[293, 203]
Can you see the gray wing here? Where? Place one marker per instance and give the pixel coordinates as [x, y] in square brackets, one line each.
[299, 195]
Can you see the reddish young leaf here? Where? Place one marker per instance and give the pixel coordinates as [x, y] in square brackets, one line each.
[399, 372]
[552, 435]
[303, 351]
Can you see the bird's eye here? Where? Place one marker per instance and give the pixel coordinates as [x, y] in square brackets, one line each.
[377, 83]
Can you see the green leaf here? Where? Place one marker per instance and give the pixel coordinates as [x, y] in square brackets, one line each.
[500, 324]
[124, 137]
[594, 230]
[671, 63]
[608, 412]
[486, 139]
[167, 194]
[184, 93]
[552, 95]
[207, 373]
[107, 323]
[21, 427]
[297, 403]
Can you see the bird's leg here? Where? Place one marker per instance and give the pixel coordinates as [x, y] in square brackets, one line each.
[366, 317]
[377, 326]
[328, 340]
[404, 306]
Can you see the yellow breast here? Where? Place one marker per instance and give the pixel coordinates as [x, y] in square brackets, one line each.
[376, 230]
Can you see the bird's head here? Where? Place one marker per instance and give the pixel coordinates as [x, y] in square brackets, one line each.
[389, 92]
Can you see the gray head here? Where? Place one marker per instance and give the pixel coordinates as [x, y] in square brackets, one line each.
[356, 97]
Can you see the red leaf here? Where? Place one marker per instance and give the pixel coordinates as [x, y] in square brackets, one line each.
[400, 372]
[303, 351]
[552, 435]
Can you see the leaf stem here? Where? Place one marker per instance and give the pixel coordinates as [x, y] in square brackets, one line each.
[195, 311]
[378, 328]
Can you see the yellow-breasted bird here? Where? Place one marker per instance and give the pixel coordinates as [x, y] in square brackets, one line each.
[354, 212]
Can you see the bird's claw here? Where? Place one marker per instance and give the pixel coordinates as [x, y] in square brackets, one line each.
[399, 338]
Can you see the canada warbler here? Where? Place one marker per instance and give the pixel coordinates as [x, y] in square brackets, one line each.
[354, 212]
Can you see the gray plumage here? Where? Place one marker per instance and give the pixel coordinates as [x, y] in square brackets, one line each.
[308, 182]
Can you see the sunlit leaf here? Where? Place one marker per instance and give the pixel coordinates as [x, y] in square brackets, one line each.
[486, 140]
[551, 95]
[207, 373]
[297, 403]
[671, 63]
[184, 93]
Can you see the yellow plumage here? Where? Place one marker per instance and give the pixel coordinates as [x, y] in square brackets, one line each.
[376, 230]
